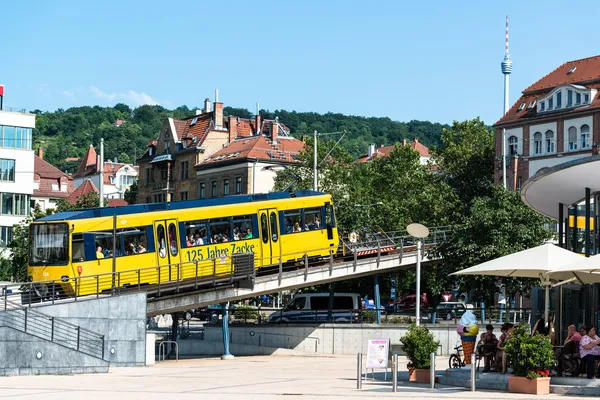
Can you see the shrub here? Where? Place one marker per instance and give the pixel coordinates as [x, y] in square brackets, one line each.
[245, 312]
[418, 344]
[528, 355]
[369, 316]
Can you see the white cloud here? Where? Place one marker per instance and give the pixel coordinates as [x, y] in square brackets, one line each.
[137, 98]
[68, 93]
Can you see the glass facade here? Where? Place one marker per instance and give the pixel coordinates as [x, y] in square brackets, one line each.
[5, 235]
[14, 204]
[7, 170]
[14, 137]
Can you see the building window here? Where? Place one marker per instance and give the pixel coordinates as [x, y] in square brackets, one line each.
[569, 98]
[238, 185]
[518, 184]
[164, 173]
[558, 99]
[7, 170]
[225, 187]
[6, 235]
[183, 195]
[15, 204]
[585, 137]
[213, 189]
[148, 199]
[542, 106]
[572, 138]
[148, 177]
[202, 190]
[513, 143]
[166, 145]
[549, 142]
[15, 137]
[550, 103]
[185, 168]
[577, 98]
[537, 143]
[586, 98]
[126, 180]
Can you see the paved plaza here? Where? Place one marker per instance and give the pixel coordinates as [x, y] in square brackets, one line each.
[267, 377]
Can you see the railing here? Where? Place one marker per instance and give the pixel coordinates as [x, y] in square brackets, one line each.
[53, 329]
[163, 185]
[238, 268]
[14, 109]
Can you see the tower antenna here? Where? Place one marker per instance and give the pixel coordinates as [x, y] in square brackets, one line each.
[506, 70]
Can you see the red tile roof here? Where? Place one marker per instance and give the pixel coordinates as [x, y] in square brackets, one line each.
[384, 151]
[586, 73]
[195, 126]
[46, 175]
[72, 159]
[257, 147]
[88, 163]
[86, 187]
[586, 70]
[117, 202]
[118, 122]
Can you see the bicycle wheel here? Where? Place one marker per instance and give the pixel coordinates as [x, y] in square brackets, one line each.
[454, 361]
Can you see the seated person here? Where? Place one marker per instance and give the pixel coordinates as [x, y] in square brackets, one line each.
[589, 351]
[198, 240]
[141, 248]
[501, 360]
[297, 228]
[99, 253]
[488, 348]
[248, 234]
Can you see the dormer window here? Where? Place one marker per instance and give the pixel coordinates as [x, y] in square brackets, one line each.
[531, 105]
[577, 98]
[569, 98]
[559, 100]
[550, 103]
[542, 106]
[522, 106]
[586, 98]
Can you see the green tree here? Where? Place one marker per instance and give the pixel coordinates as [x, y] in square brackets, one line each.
[13, 266]
[88, 200]
[131, 194]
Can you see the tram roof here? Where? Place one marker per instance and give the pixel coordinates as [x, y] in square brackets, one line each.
[178, 205]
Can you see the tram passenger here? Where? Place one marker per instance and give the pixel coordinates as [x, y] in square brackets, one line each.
[99, 253]
[248, 234]
[141, 248]
[317, 223]
[297, 228]
[189, 241]
[198, 240]
[236, 234]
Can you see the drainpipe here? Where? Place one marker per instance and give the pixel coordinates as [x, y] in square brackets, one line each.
[254, 176]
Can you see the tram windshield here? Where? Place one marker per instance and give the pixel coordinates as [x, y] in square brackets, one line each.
[48, 244]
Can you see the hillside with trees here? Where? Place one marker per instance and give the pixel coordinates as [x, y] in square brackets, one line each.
[67, 133]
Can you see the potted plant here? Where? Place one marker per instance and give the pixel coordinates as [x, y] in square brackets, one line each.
[531, 357]
[418, 344]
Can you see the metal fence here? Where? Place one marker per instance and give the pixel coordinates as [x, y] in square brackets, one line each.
[53, 329]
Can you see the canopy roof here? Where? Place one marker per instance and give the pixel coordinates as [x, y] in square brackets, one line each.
[564, 183]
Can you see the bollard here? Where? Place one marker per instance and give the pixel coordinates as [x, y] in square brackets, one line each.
[395, 373]
[359, 371]
[473, 373]
[432, 369]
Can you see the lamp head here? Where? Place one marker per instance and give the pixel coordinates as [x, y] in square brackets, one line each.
[418, 230]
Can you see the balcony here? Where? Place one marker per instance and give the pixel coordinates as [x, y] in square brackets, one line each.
[159, 186]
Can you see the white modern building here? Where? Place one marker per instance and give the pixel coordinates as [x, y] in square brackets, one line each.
[16, 170]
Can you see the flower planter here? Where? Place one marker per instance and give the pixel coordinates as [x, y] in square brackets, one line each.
[519, 384]
[419, 375]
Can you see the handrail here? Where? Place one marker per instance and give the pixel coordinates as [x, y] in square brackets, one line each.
[53, 329]
[161, 347]
[213, 271]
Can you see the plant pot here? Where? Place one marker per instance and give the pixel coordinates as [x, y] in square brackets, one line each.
[419, 375]
[519, 384]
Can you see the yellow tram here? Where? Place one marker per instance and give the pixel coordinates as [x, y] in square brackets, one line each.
[166, 242]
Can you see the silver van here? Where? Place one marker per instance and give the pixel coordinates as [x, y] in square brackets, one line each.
[312, 307]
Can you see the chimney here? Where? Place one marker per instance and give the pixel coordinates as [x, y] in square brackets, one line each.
[199, 111]
[218, 115]
[257, 119]
[207, 105]
[116, 160]
[274, 131]
[233, 122]
[416, 140]
[371, 150]
[41, 152]
[403, 142]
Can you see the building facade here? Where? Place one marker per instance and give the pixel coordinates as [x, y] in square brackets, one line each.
[384, 151]
[49, 184]
[170, 166]
[16, 170]
[118, 177]
[556, 120]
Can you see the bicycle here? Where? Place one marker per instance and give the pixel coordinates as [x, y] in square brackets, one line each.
[456, 360]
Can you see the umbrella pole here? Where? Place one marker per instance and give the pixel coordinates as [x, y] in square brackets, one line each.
[546, 303]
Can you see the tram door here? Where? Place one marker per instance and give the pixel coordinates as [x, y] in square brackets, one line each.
[269, 236]
[167, 248]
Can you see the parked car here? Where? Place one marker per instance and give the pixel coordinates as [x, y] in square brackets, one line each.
[313, 307]
[209, 313]
[452, 309]
[409, 301]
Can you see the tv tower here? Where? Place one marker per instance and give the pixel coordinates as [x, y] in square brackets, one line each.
[506, 70]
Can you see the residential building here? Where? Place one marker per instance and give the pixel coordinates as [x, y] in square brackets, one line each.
[88, 187]
[556, 120]
[247, 165]
[117, 176]
[50, 183]
[168, 167]
[384, 151]
[16, 170]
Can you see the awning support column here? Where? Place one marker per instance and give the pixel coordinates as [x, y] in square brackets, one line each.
[588, 215]
[560, 225]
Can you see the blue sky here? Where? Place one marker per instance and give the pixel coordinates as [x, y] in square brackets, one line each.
[427, 60]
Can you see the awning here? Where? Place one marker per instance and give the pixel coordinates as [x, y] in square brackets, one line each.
[162, 157]
[564, 183]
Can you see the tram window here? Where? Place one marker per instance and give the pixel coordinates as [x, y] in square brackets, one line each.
[264, 229]
[274, 226]
[329, 215]
[196, 233]
[162, 244]
[292, 221]
[219, 230]
[134, 240]
[78, 251]
[242, 227]
[104, 244]
[173, 239]
[312, 218]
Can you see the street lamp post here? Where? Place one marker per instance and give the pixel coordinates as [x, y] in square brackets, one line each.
[419, 232]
